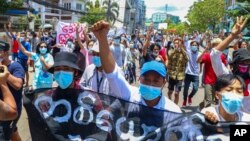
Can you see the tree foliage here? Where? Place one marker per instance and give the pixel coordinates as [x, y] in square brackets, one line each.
[112, 10]
[180, 28]
[206, 13]
[242, 9]
[94, 13]
[4, 5]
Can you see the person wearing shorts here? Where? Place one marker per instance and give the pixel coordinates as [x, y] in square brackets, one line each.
[176, 69]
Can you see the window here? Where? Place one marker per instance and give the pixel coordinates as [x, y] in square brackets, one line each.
[67, 5]
[78, 6]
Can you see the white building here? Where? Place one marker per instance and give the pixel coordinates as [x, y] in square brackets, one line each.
[48, 13]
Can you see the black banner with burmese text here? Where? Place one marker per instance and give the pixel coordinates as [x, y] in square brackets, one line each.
[77, 115]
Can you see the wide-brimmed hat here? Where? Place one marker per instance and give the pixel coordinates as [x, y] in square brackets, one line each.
[240, 55]
[65, 59]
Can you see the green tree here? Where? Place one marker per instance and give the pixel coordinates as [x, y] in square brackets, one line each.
[94, 13]
[242, 8]
[10, 5]
[206, 13]
[112, 10]
[97, 4]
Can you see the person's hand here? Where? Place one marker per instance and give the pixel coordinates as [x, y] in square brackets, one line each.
[42, 58]
[100, 29]
[239, 25]
[210, 117]
[207, 49]
[4, 74]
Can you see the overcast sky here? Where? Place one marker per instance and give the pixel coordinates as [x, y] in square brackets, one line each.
[175, 7]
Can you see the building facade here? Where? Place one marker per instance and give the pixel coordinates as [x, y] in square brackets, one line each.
[158, 18]
[48, 14]
[132, 15]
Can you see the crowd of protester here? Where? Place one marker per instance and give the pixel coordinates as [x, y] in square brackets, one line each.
[108, 65]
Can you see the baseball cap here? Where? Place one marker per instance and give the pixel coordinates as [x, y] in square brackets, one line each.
[4, 46]
[154, 66]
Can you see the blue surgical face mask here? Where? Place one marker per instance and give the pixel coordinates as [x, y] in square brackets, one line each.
[123, 38]
[194, 48]
[43, 50]
[159, 43]
[117, 41]
[231, 102]
[149, 92]
[225, 52]
[21, 39]
[69, 43]
[97, 61]
[63, 78]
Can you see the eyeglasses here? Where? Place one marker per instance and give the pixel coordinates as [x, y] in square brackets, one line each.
[43, 46]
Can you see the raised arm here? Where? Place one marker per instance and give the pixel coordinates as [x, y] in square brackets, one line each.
[238, 27]
[24, 51]
[199, 59]
[78, 39]
[8, 107]
[100, 30]
[147, 42]
[10, 30]
[7, 32]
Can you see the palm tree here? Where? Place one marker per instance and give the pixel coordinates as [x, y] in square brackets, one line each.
[112, 10]
[89, 5]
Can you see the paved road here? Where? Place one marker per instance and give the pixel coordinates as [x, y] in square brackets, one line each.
[23, 122]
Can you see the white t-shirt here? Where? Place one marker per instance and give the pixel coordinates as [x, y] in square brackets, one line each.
[118, 53]
[89, 80]
[242, 116]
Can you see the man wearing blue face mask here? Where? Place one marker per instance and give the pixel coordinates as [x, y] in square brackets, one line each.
[93, 77]
[65, 70]
[152, 77]
[229, 91]
[118, 51]
[22, 58]
[192, 72]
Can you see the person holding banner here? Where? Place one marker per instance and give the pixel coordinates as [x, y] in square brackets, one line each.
[152, 78]
[229, 91]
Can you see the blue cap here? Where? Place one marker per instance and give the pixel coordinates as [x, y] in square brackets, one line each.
[154, 66]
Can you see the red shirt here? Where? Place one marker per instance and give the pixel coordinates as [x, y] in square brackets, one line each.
[247, 90]
[163, 54]
[15, 47]
[209, 74]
